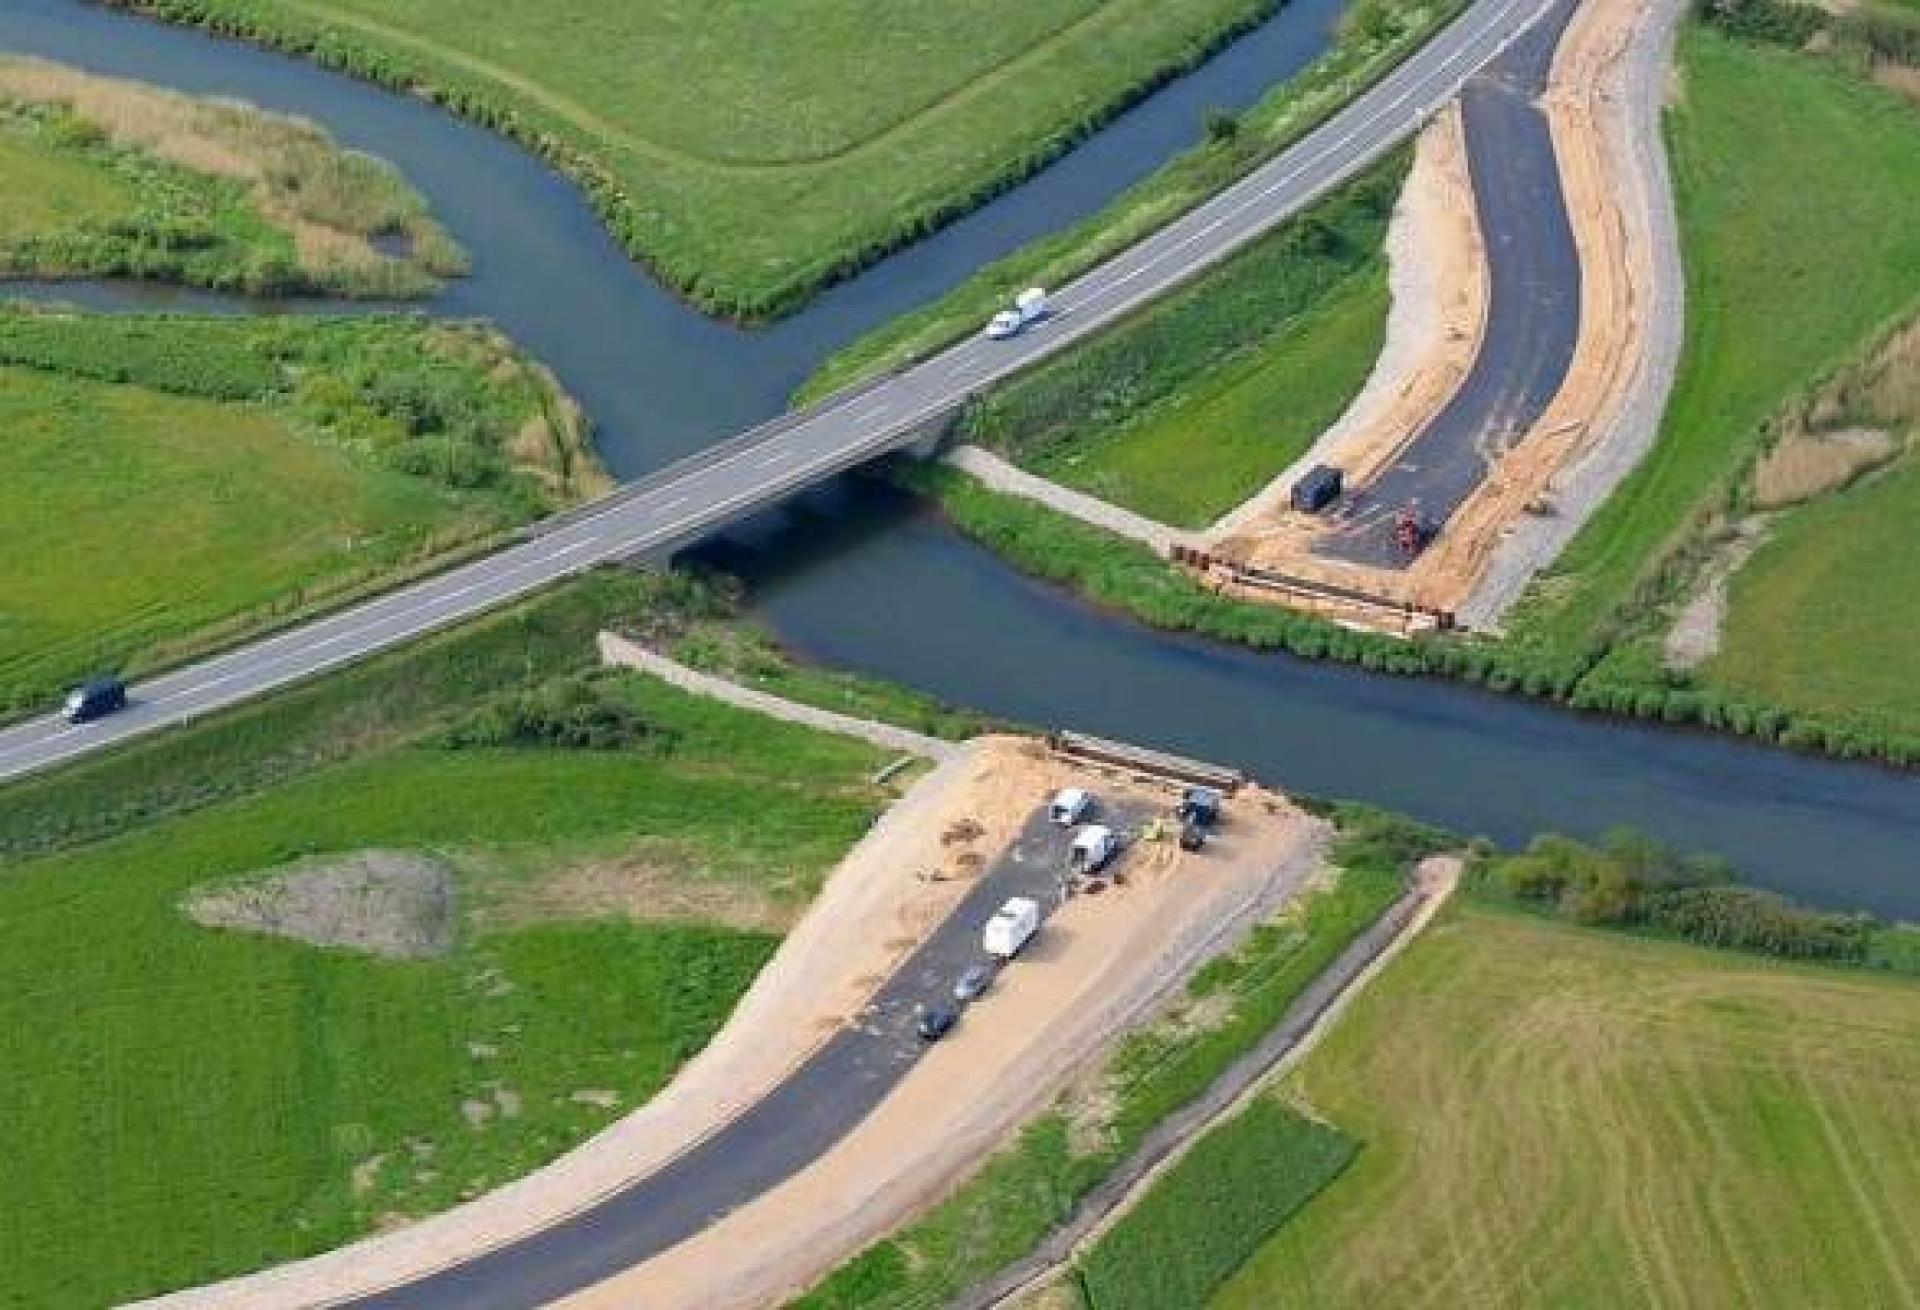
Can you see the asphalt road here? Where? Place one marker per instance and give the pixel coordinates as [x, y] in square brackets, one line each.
[1533, 314]
[817, 1105]
[760, 467]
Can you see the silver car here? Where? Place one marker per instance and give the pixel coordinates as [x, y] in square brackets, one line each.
[973, 984]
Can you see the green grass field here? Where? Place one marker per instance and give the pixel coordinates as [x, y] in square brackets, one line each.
[1825, 614]
[1207, 449]
[752, 152]
[264, 466]
[1797, 188]
[184, 1103]
[1559, 1116]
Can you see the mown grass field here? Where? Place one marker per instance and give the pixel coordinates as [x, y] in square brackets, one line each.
[1797, 186]
[1826, 613]
[1551, 1115]
[1223, 438]
[184, 1103]
[165, 482]
[751, 152]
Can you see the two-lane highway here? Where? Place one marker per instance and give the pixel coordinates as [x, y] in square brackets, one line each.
[689, 499]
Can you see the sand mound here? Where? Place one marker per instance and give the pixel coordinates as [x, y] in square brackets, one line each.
[398, 904]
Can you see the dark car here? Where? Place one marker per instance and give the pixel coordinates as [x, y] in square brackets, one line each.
[94, 698]
[936, 1021]
[973, 984]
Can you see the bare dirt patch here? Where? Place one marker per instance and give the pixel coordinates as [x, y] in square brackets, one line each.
[1804, 465]
[397, 904]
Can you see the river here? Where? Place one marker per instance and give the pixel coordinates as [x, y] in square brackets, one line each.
[854, 575]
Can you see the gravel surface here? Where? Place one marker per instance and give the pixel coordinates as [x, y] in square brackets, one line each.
[398, 904]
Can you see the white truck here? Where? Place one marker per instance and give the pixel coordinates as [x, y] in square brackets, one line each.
[1011, 926]
[1092, 847]
[1029, 307]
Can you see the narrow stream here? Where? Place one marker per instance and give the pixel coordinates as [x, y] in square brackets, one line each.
[854, 575]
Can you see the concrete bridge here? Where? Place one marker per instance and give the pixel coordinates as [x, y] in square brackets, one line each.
[696, 497]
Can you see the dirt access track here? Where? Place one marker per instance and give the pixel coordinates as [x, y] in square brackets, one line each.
[1414, 435]
[890, 930]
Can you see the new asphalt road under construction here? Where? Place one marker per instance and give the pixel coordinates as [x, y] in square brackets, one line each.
[813, 1108]
[1533, 314]
[693, 498]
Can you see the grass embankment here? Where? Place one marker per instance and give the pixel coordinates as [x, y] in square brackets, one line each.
[1197, 402]
[115, 178]
[185, 1103]
[1797, 183]
[1374, 37]
[751, 154]
[1032, 1185]
[178, 482]
[1556, 1115]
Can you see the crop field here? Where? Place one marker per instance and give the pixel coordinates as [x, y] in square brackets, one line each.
[752, 152]
[185, 1102]
[1551, 1115]
[163, 517]
[1797, 185]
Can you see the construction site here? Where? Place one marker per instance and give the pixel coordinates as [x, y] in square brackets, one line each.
[1524, 334]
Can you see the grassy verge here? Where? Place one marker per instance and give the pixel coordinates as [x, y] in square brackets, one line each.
[1538, 1104]
[1796, 185]
[1174, 413]
[422, 690]
[812, 139]
[214, 1100]
[1375, 37]
[180, 482]
[115, 178]
[1034, 1183]
[1212, 1210]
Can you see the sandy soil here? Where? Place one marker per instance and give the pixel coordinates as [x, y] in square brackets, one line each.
[1437, 277]
[1100, 964]
[1617, 381]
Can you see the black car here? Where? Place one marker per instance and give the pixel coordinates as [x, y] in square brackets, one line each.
[94, 698]
[936, 1021]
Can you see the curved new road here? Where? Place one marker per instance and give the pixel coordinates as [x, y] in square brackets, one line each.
[688, 500]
